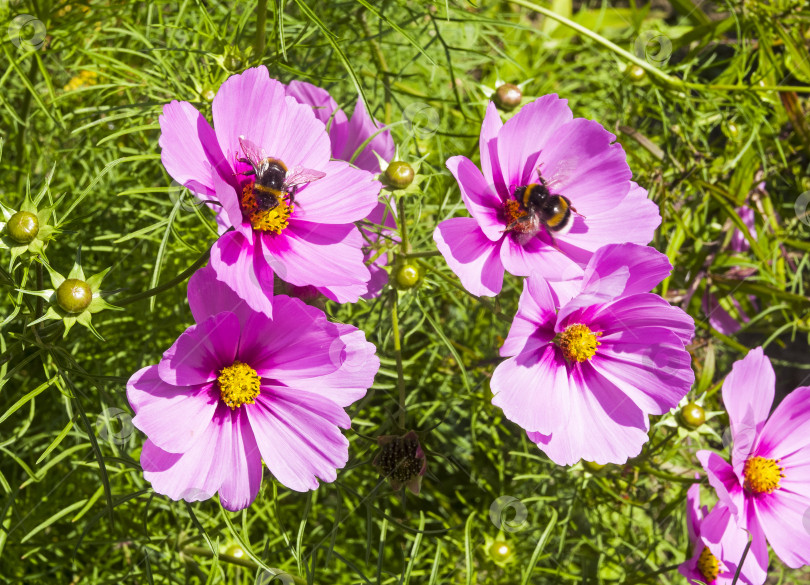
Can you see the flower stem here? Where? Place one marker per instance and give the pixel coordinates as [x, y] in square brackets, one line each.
[740, 564]
[167, 285]
[261, 26]
[398, 356]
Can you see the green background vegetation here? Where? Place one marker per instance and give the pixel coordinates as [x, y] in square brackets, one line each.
[708, 102]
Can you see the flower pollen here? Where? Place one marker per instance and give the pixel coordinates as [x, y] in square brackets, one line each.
[578, 343]
[266, 220]
[708, 565]
[238, 385]
[762, 475]
[513, 211]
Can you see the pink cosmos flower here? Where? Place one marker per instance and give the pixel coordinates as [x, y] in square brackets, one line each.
[311, 241]
[716, 562]
[240, 387]
[578, 160]
[347, 136]
[738, 241]
[591, 359]
[767, 484]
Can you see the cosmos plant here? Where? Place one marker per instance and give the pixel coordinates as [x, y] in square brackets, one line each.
[240, 387]
[575, 161]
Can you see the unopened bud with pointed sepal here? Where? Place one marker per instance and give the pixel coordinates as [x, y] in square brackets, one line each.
[74, 298]
[508, 96]
[26, 229]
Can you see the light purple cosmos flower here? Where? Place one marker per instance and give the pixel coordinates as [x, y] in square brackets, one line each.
[591, 359]
[578, 160]
[767, 484]
[312, 241]
[347, 136]
[240, 387]
[738, 241]
[716, 562]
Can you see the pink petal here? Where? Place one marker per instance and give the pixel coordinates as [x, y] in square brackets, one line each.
[534, 320]
[208, 296]
[723, 479]
[533, 390]
[481, 200]
[538, 127]
[233, 262]
[582, 164]
[783, 516]
[619, 270]
[536, 257]
[189, 148]
[604, 425]
[325, 109]
[358, 367]
[174, 418]
[320, 255]
[786, 434]
[230, 214]
[198, 473]
[255, 106]
[294, 344]
[241, 483]
[362, 127]
[727, 540]
[488, 145]
[201, 351]
[298, 436]
[653, 369]
[694, 514]
[471, 255]
[747, 395]
[593, 230]
[344, 195]
[630, 314]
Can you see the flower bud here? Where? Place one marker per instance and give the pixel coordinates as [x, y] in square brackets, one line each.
[208, 94]
[399, 174]
[409, 276]
[636, 73]
[508, 96]
[692, 415]
[23, 227]
[74, 295]
[233, 62]
[500, 551]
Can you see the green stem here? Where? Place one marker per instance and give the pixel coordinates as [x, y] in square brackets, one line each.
[242, 562]
[261, 26]
[405, 246]
[167, 285]
[668, 476]
[649, 68]
[398, 356]
[421, 254]
[740, 564]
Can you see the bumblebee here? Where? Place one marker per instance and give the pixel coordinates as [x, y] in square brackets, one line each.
[274, 181]
[539, 207]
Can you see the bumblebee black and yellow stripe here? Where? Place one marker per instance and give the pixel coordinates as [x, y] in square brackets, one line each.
[560, 219]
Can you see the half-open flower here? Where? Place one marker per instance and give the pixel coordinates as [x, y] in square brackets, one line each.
[241, 386]
[767, 484]
[304, 233]
[552, 190]
[590, 359]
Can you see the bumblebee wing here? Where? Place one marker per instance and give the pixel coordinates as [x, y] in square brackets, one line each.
[559, 176]
[299, 175]
[253, 152]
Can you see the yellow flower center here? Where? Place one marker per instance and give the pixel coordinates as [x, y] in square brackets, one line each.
[578, 343]
[762, 475]
[238, 385]
[708, 565]
[265, 220]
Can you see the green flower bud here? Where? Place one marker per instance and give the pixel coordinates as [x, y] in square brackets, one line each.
[74, 295]
[500, 551]
[409, 276]
[636, 73]
[23, 227]
[692, 415]
[208, 94]
[233, 62]
[399, 174]
[508, 96]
